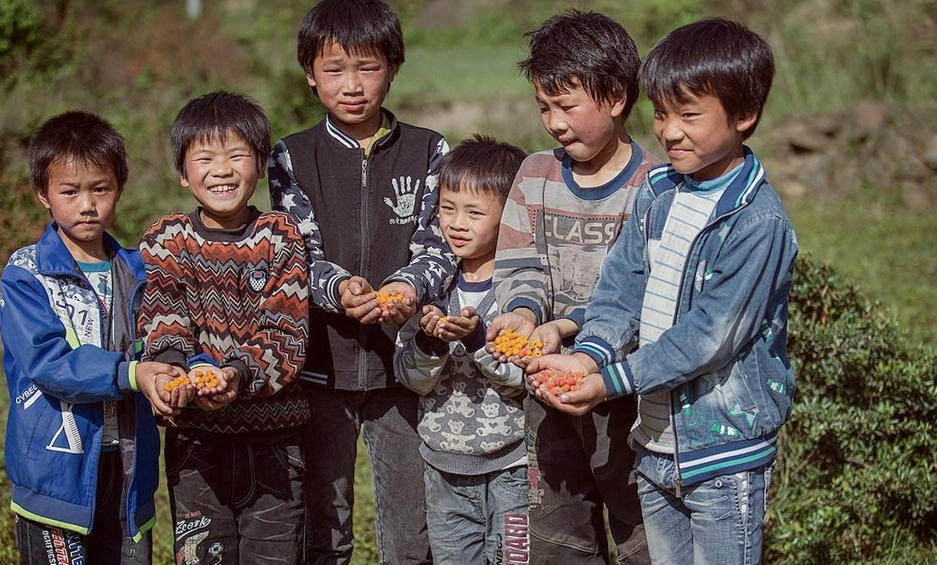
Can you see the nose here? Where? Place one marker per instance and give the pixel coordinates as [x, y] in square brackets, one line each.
[556, 122]
[221, 168]
[86, 203]
[351, 85]
[457, 221]
[671, 131]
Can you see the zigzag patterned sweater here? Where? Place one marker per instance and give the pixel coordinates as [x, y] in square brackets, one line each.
[231, 297]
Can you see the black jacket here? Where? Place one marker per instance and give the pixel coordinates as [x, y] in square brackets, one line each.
[368, 215]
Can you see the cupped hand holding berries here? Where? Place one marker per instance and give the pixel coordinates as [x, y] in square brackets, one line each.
[219, 387]
[152, 379]
[359, 300]
[399, 302]
[521, 321]
[590, 388]
[452, 328]
[430, 319]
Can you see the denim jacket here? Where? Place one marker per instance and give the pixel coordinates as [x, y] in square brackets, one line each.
[724, 360]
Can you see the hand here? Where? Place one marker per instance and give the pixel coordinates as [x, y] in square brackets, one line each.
[219, 396]
[429, 320]
[151, 378]
[457, 327]
[575, 363]
[577, 402]
[405, 192]
[359, 301]
[520, 323]
[398, 311]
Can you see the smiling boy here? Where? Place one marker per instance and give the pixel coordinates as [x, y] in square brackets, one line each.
[357, 183]
[699, 282]
[565, 210]
[227, 292]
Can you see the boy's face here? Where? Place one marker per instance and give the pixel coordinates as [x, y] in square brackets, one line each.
[469, 220]
[82, 198]
[581, 125]
[698, 136]
[222, 177]
[352, 86]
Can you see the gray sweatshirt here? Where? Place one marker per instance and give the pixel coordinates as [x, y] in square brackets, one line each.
[470, 417]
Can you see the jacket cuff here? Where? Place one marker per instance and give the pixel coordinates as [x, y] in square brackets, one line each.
[597, 349]
[127, 376]
[526, 303]
[430, 345]
[577, 316]
[476, 339]
[331, 291]
[618, 379]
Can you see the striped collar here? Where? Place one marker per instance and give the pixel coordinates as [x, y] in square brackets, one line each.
[388, 126]
[740, 191]
[53, 257]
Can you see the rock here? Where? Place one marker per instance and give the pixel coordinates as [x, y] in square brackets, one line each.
[930, 153]
[864, 121]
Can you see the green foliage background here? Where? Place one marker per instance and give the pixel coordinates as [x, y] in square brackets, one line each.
[856, 477]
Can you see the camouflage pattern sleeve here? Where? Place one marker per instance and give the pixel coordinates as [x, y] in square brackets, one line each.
[432, 265]
[286, 195]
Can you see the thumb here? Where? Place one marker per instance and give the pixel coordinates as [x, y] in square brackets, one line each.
[468, 312]
[355, 287]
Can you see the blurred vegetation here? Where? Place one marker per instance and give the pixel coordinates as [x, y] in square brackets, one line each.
[856, 475]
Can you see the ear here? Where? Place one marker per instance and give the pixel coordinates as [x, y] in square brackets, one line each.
[44, 200]
[746, 121]
[183, 181]
[262, 170]
[311, 81]
[618, 106]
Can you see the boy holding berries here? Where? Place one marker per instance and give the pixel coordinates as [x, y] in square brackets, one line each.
[471, 418]
[357, 183]
[226, 301]
[699, 282]
[565, 210]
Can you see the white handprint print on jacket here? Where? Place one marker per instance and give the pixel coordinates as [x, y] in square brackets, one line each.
[405, 192]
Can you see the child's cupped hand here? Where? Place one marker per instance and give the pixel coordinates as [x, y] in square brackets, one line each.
[359, 300]
[152, 378]
[453, 328]
[400, 302]
[220, 394]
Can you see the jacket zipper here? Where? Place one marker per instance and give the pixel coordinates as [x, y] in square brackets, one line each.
[363, 260]
[133, 344]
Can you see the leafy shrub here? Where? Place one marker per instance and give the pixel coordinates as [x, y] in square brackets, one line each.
[856, 476]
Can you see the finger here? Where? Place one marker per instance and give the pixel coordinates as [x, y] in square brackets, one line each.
[359, 312]
[371, 317]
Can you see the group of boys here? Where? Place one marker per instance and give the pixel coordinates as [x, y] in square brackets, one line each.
[266, 342]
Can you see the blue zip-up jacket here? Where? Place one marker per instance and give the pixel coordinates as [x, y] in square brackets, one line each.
[59, 374]
[724, 361]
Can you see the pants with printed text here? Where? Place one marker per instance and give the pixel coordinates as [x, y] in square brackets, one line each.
[108, 542]
[236, 502]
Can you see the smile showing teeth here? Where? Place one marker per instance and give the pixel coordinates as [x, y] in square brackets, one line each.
[222, 188]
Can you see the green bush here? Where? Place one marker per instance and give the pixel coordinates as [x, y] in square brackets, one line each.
[856, 477]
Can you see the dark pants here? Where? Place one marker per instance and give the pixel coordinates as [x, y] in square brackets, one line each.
[580, 466]
[235, 501]
[109, 541]
[389, 420]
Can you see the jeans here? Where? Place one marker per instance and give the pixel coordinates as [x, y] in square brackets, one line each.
[389, 418]
[477, 519]
[720, 521]
[235, 501]
[580, 466]
[109, 541]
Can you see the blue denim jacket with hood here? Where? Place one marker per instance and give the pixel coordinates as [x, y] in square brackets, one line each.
[724, 360]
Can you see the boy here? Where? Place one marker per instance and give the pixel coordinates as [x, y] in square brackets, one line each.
[564, 211]
[81, 443]
[227, 293]
[471, 419]
[357, 184]
[701, 278]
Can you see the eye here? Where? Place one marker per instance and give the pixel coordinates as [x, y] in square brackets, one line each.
[102, 189]
[543, 110]
[567, 108]
[446, 207]
[658, 114]
[476, 213]
[689, 115]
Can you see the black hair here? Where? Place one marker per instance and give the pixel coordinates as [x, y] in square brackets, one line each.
[356, 25]
[716, 57]
[212, 116]
[587, 48]
[75, 136]
[481, 164]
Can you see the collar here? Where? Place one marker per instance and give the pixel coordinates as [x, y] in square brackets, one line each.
[388, 126]
[53, 258]
[609, 187]
[740, 191]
